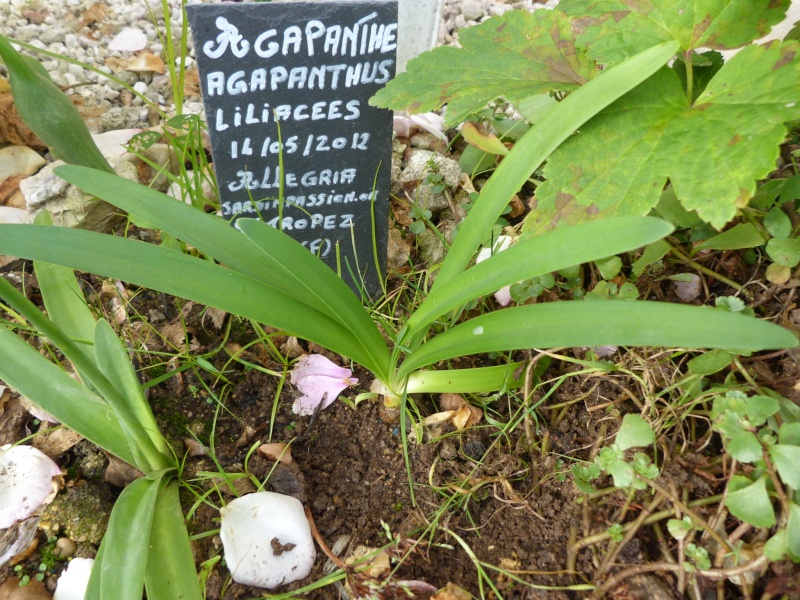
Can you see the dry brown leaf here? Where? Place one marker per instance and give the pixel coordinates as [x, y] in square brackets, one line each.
[13, 129]
[194, 448]
[33, 590]
[119, 473]
[13, 418]
[456, 403]
[56, 440]
[247, 436]
[191, 84]
[277, 452]
[452, 592]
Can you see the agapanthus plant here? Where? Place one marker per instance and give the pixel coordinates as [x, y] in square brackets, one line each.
[258, 272]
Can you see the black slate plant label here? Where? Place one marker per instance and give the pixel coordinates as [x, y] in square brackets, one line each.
[290, 82]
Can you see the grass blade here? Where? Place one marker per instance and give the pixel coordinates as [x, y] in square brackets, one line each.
[170, 573]
[612, 322]
[559, 249]
[537, 144]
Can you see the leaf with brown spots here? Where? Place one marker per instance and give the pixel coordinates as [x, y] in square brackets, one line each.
[613, 30]
[712, 152]
[515, 55]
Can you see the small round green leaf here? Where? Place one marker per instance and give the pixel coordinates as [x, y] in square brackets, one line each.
[777, 223]
[752, 505]
[710, 362]
[784, 252]
[787, 461]
[634, 432]
[744, 447]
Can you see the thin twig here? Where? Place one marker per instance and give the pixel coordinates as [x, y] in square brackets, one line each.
[323, 546]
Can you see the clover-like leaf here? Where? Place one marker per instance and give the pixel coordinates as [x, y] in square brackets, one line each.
[793, 531]
[787, 461]
[634, 432]
[750, 503]
[760, 408]
[679, 529]
[622, 473]
[744, 447]
[516, 55]
[712, 152]
[613, 30]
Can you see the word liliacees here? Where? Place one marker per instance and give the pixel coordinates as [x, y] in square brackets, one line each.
[295, 141]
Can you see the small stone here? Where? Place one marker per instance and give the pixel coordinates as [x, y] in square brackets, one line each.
[424, 163]
[19, 160]
[65, 547]
[431, 248]
[120, 117]
[472, 11]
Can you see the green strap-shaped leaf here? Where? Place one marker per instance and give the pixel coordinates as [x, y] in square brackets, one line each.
[181, 275]
[516, 55]
[538, 143]
[170, 571]
[48, 112]
[463, 381]
[268, 255]
[580, 323]
[51, 389]
[114, 362]
[65, 304]
[556, 250]
[119, 568]
[613, 30]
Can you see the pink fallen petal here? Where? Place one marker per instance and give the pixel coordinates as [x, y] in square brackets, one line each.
[503, 296]
[320, 382]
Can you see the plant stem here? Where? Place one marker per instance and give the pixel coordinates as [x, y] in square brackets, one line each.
[706, 271]
[687, 61]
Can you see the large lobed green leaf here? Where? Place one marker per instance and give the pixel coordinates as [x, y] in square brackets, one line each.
[614, 322]
[538, 143]
[516, 55]
[48, 112]
[613, 30]
[713, 152]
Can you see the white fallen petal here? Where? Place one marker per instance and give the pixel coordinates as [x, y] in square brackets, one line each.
[74, 580]
[37, 412]
[26, 482]
[267, 540]
[128, 40]
[112, 143]
[11, 216]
